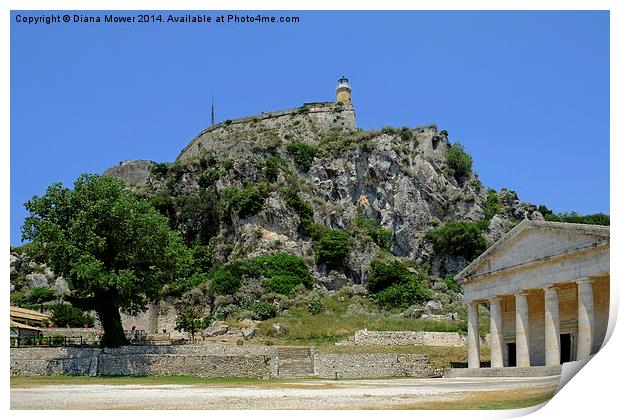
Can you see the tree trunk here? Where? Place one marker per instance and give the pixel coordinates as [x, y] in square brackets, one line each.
[110, 317]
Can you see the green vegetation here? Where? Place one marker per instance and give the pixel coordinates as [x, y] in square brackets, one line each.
[283, 272]
[316, 305]
[246, 201]
[394, 286]
[573, 217]
[35, 381]
[406, 133]
[303, 154]
[272, 167]
[459, 161]
[191, 321]
[223, 281]
[159, 169]
[492, 205]
[337, 140]
[451, 284]
[209, 177]
[381, 236]
[338, 320]
[264, 310]
[332, 248]
[463, 239]
[35, 298]
[304, 211]
[67, 315]
[113, 248]
[182, 285]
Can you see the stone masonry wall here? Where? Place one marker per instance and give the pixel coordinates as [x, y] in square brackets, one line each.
[309, 121]
[205, 361]
[405, 338]
[369, 365]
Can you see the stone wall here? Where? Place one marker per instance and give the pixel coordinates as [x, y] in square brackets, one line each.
[158, 318]
[310, 122]
[368, 365]
[205, 361]
[407, 338]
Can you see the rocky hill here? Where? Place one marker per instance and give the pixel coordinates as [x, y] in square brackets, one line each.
[267, 184]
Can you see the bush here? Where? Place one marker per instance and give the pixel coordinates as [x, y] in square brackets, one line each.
[459, 161]
[180, 286]
[272, 167]
[247, 201]
[264, 310]
[283, 272]
[332, 248]
[451, 284]
[463, 239]
[383, 274]
[492, 205]
[208, 177]
[381, 236]
[223, 282]
[303, 154]
[316, 305]
[282, 284]
[38, 296]
[402, 295]
[406, 133]
[67, 315]
[304, 211]
[159, 170]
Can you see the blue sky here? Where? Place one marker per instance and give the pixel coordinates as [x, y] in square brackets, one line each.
[527, 93]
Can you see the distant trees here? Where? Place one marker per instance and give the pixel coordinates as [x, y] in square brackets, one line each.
[113, 248]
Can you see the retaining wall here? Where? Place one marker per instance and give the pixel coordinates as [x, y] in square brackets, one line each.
[406, 338]
[206, 361]
[377, 365]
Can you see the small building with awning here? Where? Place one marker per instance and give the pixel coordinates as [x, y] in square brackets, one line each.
[26, 322]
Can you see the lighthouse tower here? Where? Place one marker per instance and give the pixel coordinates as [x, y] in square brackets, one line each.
[343, 91]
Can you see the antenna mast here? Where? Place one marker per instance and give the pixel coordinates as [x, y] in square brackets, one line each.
[212, 110]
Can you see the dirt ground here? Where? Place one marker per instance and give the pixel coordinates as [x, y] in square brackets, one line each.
[439, 393]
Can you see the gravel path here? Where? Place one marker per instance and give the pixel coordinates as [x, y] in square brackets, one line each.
[301, 394]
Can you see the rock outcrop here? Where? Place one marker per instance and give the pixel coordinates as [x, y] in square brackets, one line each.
[400, 179]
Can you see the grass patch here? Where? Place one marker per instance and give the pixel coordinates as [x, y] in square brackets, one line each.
[37, 381]
[487, 400]
[335, 323]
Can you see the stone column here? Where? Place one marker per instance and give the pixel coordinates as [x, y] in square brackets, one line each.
[552, 327]
[473, 336]
[522, 330]
[497, 336]
[585, 318]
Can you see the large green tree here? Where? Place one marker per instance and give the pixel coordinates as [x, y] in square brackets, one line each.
[113, 248]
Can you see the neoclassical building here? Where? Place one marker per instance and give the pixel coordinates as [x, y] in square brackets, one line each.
[547, 286]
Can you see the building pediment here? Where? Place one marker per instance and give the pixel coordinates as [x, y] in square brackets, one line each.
[533, 241]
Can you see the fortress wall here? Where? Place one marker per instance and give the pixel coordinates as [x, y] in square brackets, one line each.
[308, 122]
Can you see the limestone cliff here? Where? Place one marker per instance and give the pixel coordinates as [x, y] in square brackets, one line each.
[398, 178]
